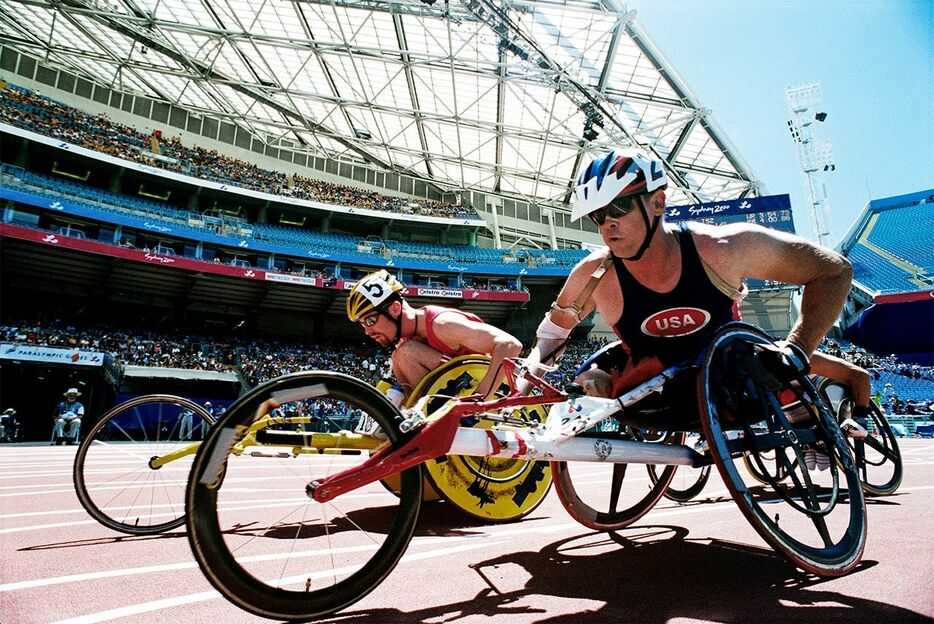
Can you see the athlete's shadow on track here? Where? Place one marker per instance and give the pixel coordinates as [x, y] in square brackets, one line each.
[445, 521]
[648, 574]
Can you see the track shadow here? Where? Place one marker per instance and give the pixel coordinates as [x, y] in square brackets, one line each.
[648, 574]
[98, 541]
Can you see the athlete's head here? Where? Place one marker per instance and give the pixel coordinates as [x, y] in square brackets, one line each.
[616, 183]
[369, 302]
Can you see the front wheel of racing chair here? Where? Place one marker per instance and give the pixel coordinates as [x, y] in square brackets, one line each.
[485, 488]
[815, 520]
[767, 467]
[257, 535]
[878, 459]
[617, 507]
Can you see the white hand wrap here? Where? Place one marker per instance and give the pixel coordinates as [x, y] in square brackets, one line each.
[549, 330]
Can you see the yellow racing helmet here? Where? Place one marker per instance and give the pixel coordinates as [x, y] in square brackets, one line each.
[375, 291]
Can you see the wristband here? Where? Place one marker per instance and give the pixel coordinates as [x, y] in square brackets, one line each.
[549, 330]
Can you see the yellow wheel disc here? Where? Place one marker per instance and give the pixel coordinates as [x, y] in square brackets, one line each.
[494, 490]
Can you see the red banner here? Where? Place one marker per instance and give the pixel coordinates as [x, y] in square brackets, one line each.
[924, 295]
[190, 264]
[127, 253]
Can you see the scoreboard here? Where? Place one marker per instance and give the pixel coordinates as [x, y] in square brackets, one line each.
[773, 211]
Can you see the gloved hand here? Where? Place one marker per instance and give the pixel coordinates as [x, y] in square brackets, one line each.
[772, 366]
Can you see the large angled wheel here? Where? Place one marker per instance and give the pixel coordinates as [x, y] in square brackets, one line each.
[489, 489]
[608, 497]
[262, 542]
[131, 467]
[817, 520]
[878, 459]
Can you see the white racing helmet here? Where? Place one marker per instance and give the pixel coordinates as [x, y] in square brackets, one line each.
[621, 172]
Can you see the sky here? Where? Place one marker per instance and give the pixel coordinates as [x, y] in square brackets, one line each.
[874, 60]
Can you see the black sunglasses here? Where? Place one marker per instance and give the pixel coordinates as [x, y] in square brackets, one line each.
[617, 208]
[370, 320]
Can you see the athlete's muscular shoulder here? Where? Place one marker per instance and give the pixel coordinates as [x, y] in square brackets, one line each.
[574, 285]
[735, 250]
[581, 273]
[747, 250]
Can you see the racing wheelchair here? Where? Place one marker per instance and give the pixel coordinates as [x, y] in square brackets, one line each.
[131, 467]
[304, 540]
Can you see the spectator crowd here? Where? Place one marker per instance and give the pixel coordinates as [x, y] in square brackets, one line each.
[888, 374]
[258, 359]
[29, 110]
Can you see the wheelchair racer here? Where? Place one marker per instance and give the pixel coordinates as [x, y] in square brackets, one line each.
[424, 338]
[667, 287]
[494, 490]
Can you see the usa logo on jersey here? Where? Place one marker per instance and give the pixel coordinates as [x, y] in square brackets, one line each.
[675, 322]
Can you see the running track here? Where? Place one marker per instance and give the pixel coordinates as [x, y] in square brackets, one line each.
[699, 562]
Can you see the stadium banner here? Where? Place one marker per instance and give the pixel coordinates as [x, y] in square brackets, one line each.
[292, 279]
[50, 355]
[922, 295]
[443, 293]
[495, 295]
[137, 255]
[773, 211]
[450, 293]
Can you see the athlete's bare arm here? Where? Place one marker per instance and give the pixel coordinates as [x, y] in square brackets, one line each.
[459, 332]
[562, 318]
[743, 250]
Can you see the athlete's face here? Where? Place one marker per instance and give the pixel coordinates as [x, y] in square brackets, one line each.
[379, 327]
[623, 228]
[620, 225]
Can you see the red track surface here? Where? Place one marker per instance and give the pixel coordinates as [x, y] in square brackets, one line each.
[698, 562]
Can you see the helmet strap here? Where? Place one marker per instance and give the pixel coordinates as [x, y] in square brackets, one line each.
[650, 228]
[384, 310]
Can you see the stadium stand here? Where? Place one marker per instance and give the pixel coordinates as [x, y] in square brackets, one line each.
[875, 272]
[906, 233]
[411, 255]
[24, 108]
[892, 303]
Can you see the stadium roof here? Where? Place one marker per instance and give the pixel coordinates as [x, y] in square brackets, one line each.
[483, 95]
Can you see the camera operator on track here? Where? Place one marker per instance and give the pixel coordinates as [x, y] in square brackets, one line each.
[667, 287]
[423, 338]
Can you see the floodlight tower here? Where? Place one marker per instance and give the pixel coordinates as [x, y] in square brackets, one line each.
[814, 156]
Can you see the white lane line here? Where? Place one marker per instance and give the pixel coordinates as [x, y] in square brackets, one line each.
[484, 533]
[176, 514]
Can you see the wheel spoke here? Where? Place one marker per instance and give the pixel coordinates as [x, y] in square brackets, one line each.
[616, 485]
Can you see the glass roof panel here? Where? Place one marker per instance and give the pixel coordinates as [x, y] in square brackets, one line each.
[342, 67]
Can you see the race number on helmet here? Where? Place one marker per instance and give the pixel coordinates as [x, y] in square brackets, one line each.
[621, 172]
[371, 292]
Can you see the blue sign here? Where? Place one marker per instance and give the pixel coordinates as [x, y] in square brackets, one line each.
[772, 211]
